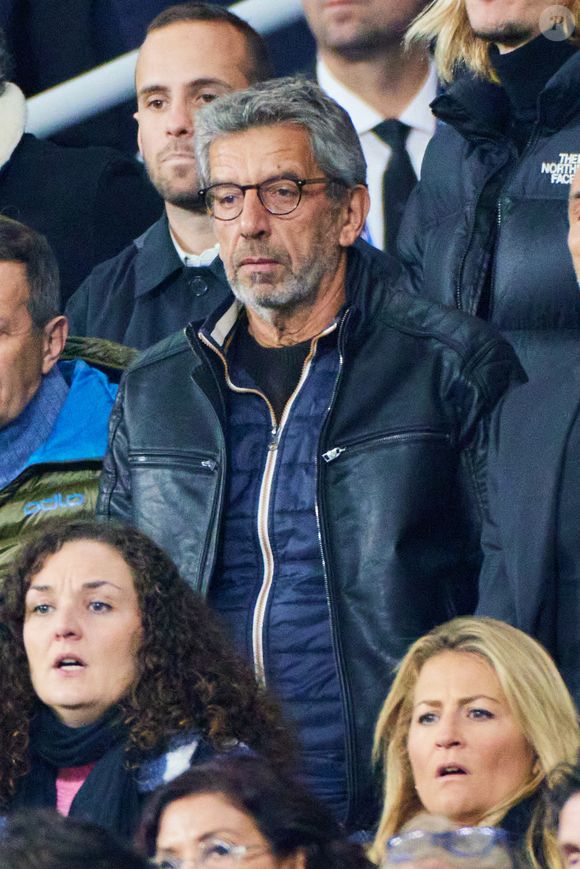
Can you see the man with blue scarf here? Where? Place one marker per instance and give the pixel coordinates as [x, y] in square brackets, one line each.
[53, 411]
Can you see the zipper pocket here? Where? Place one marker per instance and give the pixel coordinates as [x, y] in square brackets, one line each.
[169, 458]
[393, 437]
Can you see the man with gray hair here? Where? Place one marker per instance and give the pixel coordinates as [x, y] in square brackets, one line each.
[312, 454]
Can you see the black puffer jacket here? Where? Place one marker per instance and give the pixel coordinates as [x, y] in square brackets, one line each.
[400, 486]
[485, 230]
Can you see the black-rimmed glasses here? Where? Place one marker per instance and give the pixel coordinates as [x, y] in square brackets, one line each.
[464, 842]
[279, 196]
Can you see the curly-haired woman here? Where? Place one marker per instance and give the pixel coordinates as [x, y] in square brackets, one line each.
[114, 678]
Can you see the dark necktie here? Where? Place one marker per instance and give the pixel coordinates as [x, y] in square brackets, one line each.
[398, 180]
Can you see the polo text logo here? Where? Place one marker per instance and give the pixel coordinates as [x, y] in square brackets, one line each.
[55, 502]
[563, 171]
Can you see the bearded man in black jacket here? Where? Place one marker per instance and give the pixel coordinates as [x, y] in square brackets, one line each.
[312, 455]
[485, 229]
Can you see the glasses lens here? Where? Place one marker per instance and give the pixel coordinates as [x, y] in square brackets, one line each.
[472, 841]
[407, 845]
[225, 201]
[215, 852]
[280, 197]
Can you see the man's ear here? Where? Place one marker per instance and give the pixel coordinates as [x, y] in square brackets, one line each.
[136, 116]
[356, 210]
[54, 335]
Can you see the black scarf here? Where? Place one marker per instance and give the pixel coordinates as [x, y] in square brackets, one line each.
[109, 796]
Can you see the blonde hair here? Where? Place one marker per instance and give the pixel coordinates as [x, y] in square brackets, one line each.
[446, 23]
[534, 690]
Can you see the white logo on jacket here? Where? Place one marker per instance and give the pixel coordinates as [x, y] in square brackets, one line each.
[563, 171]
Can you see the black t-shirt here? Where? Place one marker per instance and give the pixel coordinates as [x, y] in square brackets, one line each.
[275, 370]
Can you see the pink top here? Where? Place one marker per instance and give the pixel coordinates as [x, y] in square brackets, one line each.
[69, 781]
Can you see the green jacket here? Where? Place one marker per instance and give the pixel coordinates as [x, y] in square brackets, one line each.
[61, 478]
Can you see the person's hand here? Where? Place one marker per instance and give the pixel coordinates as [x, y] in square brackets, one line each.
[574, 218]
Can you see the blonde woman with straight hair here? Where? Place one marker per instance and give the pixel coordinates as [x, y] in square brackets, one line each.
[446, 24]
[477, 716]
[485, 228]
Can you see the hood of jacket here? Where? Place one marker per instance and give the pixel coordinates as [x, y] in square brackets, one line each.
[80, 431]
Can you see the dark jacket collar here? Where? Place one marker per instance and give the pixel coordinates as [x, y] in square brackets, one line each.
[480, 109]
[157, 258]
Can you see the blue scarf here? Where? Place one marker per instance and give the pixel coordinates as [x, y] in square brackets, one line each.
[24, 435]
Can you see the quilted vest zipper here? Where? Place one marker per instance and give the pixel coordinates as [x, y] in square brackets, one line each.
[264, 500]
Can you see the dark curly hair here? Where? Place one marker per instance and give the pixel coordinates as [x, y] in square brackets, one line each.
[286, 814]
[188, 676]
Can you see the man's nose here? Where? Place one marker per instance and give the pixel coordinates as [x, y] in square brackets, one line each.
[254, 219]
[179, 119]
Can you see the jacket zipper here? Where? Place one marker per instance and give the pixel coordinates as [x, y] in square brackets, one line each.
[397, 437]
[265, 497]
[348, 725]
[156, 457]
[458, 300]
[534, 135]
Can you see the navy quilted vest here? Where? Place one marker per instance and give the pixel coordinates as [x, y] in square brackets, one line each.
[269, 584]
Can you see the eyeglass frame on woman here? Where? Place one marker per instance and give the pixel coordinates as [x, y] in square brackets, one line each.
[445, 839]
[299, 182]
[237, 852]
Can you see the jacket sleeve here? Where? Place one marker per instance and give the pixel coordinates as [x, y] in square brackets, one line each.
[115, 498]
[409, 244]
[495, 598]
[488, 376]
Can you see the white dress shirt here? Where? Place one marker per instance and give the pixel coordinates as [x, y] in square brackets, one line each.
[417, 116]
[205, 258]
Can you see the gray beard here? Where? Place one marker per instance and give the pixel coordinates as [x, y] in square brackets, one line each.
[270, 302]
[298, 291]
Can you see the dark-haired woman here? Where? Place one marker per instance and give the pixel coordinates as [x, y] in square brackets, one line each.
[234, 811]
[114, 678]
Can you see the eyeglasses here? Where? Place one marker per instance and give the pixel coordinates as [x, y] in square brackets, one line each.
[279, 196]
[464, 842]
[212, 853]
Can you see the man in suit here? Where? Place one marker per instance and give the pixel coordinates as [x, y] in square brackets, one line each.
[362, 64]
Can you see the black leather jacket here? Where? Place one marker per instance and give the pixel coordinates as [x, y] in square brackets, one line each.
[400, 475]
